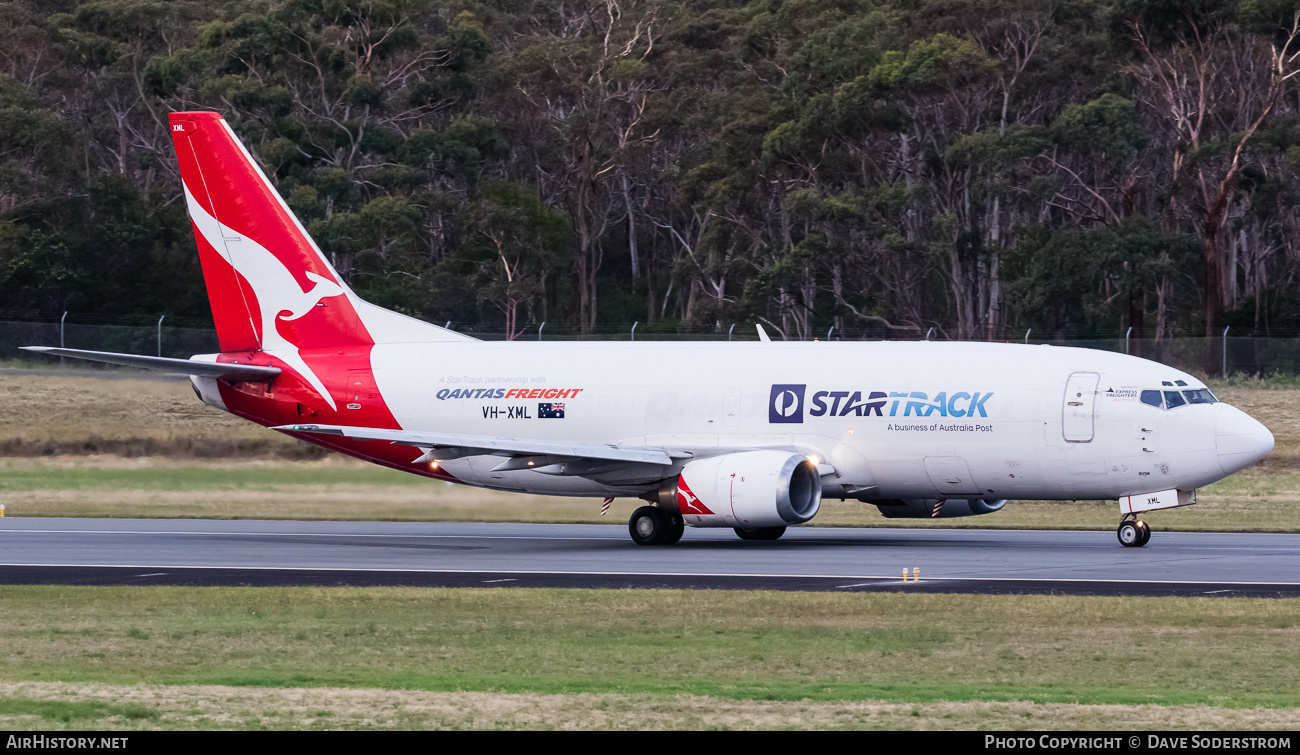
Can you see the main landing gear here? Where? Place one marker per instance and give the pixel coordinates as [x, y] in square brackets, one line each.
[1133, 532]
[653, 526]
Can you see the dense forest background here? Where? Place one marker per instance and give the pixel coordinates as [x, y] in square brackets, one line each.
[886, 167]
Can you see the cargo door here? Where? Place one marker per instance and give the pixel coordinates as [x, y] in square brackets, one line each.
[950, 476]
[360, 390]
[1079, 403]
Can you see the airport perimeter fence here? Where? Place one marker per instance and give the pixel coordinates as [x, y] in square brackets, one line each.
[1265, 357]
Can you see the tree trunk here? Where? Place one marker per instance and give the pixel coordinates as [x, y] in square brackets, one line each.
[1162, 308]
[650, 279]
[584, 250]
[1214, 272]
[1213, 283]
[1137, 321]
[592, 267]
[631, 230]
[994, 311]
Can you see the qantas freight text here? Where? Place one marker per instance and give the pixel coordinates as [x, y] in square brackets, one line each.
[449, 393]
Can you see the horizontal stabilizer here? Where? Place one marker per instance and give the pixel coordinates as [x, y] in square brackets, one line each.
[486, 444]
[251, 372]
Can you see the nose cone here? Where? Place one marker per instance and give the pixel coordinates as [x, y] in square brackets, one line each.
[1240, 439]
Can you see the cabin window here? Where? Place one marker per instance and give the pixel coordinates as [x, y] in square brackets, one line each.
[1201, 396]
[1153, 398]
[1173, 399]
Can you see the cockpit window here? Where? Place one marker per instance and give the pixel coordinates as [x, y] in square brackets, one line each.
[1175, 399]
[1181, 382]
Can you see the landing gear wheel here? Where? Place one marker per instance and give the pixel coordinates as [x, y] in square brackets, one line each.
[1146, 531]
[760, 533]
[649, 526]
[1130, 534]
[676, 527]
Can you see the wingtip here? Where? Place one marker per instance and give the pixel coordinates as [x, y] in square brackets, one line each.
[36, 348]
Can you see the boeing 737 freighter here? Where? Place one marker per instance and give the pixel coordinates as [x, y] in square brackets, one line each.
[749, 435]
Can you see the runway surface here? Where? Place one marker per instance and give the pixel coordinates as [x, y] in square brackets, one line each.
[206, 552]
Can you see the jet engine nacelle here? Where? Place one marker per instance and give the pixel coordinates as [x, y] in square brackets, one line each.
[938, 508]
[749, 489]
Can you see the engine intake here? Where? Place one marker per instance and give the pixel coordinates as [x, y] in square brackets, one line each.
[748, 489]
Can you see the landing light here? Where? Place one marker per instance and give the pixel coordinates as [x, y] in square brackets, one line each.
[815, 460]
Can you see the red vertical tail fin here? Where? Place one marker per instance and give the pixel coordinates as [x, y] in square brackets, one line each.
[268, 283]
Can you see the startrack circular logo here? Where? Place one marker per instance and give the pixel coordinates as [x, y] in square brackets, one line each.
[786, 403]
[785, 406]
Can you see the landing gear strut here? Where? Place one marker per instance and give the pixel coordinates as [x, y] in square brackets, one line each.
[1133, 532]
[652, 526]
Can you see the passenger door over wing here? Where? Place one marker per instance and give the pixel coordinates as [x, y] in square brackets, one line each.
[1079, 403]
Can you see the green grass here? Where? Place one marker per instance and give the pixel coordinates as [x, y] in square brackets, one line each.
[735, 645]
[30, 477]
[63, 711]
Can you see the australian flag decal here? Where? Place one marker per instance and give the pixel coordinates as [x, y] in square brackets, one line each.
[550, 411]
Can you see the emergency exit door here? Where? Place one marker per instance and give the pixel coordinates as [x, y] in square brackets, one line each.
[1080, 402]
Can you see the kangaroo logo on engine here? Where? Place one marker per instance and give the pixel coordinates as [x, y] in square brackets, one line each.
[786, 404]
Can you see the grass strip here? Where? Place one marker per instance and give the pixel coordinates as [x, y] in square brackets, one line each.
[68, 711]
[1232, 653]
[135, 707]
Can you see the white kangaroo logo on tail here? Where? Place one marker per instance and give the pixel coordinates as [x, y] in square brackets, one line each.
[274, 286]
[327, 289]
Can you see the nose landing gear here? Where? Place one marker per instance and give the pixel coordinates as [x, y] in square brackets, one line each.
[1133, 532]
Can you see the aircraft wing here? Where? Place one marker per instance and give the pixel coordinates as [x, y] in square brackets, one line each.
[474, 445]
[251, 372]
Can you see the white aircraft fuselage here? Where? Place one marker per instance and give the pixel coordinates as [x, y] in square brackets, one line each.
[895, 420]
[747, 435]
